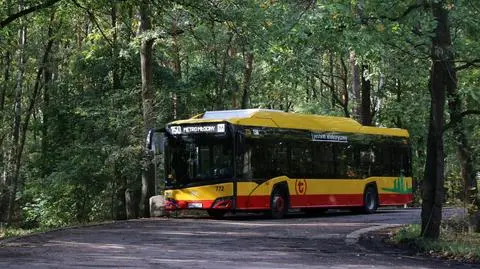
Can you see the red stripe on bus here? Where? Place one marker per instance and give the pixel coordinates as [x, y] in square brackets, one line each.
[253, 202]
[321, 200]
[262, 202]
[325, 200]
[395, 199]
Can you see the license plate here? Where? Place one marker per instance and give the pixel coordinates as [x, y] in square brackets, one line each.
[195, 205]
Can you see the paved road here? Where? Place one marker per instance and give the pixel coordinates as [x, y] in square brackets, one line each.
[236, 242]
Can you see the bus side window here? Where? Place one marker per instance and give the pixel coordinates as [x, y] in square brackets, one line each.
[386, 157]
[406, 163]
[378, 164]
[243, 158]
[280, 157]
[401, 160]
[262, 162]
[367, 161]
[339, 151]
[301, 161]
[244, 164]
[324, 161]
[352, 161]
[396, 160]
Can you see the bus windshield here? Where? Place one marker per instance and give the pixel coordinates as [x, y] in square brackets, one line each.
[195, 159]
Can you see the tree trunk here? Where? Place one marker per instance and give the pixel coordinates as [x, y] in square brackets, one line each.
[398, 89]
[115, 65]
[178, 106]
[455, 108]
[177, 64]
[33, 99]
[345, 97]
[120, 183]
[130, 204]
[223, 74]
[19, 142]
[46, 115]
[366, 104]
[4, 192]
[6, 77]
[332, 80]
[465, 160]
[147, 101]
[442, 76]
[12, 176]
[355, 85]
[247, 79]
[3, 132]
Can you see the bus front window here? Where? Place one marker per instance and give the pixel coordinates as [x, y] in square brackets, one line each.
[196, 159]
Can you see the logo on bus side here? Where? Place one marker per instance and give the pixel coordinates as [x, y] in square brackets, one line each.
[400, 186]
[300, 186]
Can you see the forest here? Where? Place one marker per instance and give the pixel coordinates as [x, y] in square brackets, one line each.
[83, 81]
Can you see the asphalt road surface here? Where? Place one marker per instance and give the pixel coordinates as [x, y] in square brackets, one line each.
[248, 241]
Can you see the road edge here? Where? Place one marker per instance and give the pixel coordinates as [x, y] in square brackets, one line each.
[5, 241]
[353, 237]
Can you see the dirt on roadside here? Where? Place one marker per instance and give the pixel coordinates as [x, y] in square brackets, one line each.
[381, 242]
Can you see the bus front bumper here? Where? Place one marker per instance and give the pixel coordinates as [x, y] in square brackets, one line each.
[219, 203]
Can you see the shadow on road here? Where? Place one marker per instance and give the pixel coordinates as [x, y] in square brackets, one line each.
[256, 216]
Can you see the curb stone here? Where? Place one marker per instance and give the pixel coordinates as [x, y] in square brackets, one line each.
[353, 237]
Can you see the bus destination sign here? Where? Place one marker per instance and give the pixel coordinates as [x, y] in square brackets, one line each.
[329, 138]
[196, 129]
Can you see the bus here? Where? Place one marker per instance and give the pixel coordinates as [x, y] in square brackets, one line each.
[272, 161]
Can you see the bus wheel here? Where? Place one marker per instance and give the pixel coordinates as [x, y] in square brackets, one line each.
[278, 203]
[370, 200]
[217, 214]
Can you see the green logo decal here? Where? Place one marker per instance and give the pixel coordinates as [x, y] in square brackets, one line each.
[399, 186]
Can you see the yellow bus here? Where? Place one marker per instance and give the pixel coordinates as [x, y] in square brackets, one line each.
[273, 161]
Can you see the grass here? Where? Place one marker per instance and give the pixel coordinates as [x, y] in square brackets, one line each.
[455, 241]
[7, 232]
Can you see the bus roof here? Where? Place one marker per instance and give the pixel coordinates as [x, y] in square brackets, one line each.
[280, 119]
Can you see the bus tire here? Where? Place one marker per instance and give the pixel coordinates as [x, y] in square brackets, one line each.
[217, 214]
[278, 203]
[370, 200]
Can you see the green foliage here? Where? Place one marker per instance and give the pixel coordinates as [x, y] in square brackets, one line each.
[454, 243]
[7, 232]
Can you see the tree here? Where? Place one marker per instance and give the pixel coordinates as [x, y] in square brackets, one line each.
[146, 49]
[442, 80]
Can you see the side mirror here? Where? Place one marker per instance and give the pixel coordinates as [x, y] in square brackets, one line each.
[156, 141]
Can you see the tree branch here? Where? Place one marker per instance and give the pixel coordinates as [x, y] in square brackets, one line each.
[338, 102]
[94, 20]
[469, 112]
[27, 11]
[474, 63]
[405, 13]
[462, 115]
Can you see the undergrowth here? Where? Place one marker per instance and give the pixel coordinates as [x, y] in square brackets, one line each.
[455, 242]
